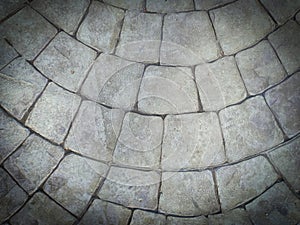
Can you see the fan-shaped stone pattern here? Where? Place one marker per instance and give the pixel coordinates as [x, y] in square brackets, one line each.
[139, 144]
[53, 113]
[169, 6]
[94, 131]
[192, 141]
[219, 84]
[143, 217]
[236, 216]
[21, 31]
[127, 4]
[113, 81]
[22, 84]
[235, 23]
[260, 67]
[188, 39]
[168, 90]
[209, 4]
[9, 6]
[7, 53]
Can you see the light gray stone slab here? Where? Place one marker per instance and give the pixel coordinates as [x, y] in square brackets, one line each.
[284, 101]
[33, 162]
[260, 68]
[285, 40]
[21, 31]
[42, 210]
[188, 39]
[101, 27]
[208, 4]
[169, 6]
[101, 212]
[235, 23]
[7, 53]
[74, 182]
[113, 81]
[65, 14]
[94, 131]
[53, 113]
[140, 37]
[188, 193]
[168, 90]
[132, 188]
[22, 85]
[192, 141]
[249, 128]
[144, 217]
[219, 84]
[244, 181]
[139, 143]
[9, 6]
[127, 4]
[234, 217]
[276, 206]
[201, 220]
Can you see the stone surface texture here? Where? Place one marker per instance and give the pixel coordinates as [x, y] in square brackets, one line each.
[209, 4]
[236, 216]
[169, 6]
[9, 6]
[201, 220]
[7, 53]
[127, 4]
[143, 217]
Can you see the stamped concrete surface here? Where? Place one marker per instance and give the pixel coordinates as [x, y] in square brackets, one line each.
[149, 112]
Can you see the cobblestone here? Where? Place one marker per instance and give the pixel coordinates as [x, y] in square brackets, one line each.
[236, 216]
[169, 6]
[143, 217]
[129, 4]
[187, 221]
[9, 7]
[7, 53]
[208, 4]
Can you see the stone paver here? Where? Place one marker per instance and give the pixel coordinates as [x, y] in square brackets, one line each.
[139, 143]
[9, 6]
[235, 23]
[260, 68]
[276, 206]
[21, 31]
[101, 28]
[187, 221]
[141, 36]
[101, 212]
[33, 162]
[219, 84]
[249, 128]
[234, 217]
[113, 81]
[53, 113]
[75, 181]
[94, 131]
[241, 182]
[22, 84]
[208, 4]
[192, 141]
[65, 61]
[127, 4]
[286, 98]
[188, 39]
[143, 217]
[194, 191]
[132, 188]
[168, 90]
[65, 14]
[42, 210]
[298, 17]
[169, 6]
[286, 43]
[7, 53]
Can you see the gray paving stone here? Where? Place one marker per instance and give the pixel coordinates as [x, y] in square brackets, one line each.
[21, 31]
[208, 4]
[101, 212]
[286, 98]
[143, 217]
[127, 4]
[249, 128]
[298, 17]
[42, 210]
[235, 23]
[188, 39]
[101, 27]
[33, 162]
[168, 90]
[75, 181]
[287, 159]
[141, 36]
[22, 85]
[9, 6]
[139, 143]
[286, 43]
[7, 53]
[234, 217]
[192, 141]
[65, 14]
[201, 220]
[188, 193]
[241, 182]
[12, 197]
[219, 84]
[276, 206]
[12, 134]
[260, 68]
[169, 6]
[113, 81]
[53, 113]
[132, 188]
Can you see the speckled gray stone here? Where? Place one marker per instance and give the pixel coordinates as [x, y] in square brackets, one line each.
[201, 220]
[144, 217]
[249, 128]
[31, 164]
[9, 6]
[22, 84]
[169, 6]
[208, 4]
[235, 217]
[127, 4]
[235, 23]
[7, 53]
[241, 182]
[298, 17]
[188, 39]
